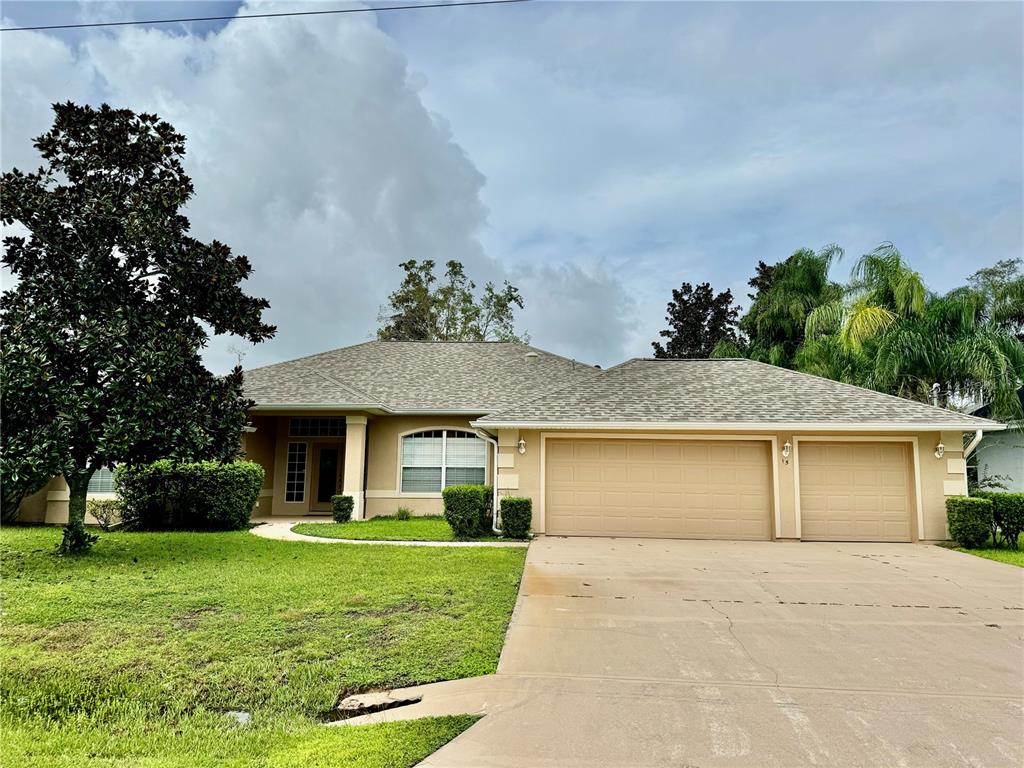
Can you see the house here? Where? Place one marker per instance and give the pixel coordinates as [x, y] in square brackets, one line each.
[1000, 455]
[725, 448]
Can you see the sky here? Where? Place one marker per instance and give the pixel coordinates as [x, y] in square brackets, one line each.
[596, 155]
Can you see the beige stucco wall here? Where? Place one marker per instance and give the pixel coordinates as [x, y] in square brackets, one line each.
[50, 505]
[520, 474]
[383, 435]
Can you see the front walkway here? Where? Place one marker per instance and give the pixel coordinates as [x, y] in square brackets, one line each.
[631, 652]
[280, 528]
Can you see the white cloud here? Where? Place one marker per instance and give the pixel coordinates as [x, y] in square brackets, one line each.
[309, 147]
[626, 147]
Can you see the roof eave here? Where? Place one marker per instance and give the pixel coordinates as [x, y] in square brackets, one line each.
[724, 426]
[372, 407]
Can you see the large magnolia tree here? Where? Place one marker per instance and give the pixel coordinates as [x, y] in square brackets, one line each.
[112, 304]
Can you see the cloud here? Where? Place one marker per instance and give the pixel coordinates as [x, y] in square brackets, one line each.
[309, 148]
[581, 310]
[595, 154]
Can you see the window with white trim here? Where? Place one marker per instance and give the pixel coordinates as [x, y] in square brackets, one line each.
[436, 458]
[295, 477]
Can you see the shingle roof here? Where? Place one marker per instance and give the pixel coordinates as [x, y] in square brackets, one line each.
[470, 377]
[730, 391]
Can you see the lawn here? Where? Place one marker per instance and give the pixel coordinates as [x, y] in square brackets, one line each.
[134, 654]
[1003, 555]
[426, 528]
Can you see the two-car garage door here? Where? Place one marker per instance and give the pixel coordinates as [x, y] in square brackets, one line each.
[722, 489]
[712, 489]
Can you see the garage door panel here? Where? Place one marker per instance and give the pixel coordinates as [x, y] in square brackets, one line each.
[640, 473]
[613, 452]
[664, 488]
[668, 452]
[855, 491]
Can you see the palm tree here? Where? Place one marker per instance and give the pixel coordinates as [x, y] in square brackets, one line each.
[882, 290]
[787, 294]
[952, 344]
[887, 332]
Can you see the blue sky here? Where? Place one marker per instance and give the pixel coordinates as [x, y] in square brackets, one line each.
[595, 154]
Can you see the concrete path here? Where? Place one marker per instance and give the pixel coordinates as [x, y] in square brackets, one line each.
[687, 653]
[280, 528]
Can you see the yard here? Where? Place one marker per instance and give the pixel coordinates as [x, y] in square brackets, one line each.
[135, 654]
[1001, 554]
[419, 528]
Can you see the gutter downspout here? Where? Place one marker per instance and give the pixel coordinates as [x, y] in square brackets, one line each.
[973, 444]
[494, 481]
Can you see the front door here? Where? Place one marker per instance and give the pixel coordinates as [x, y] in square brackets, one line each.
[327, 461]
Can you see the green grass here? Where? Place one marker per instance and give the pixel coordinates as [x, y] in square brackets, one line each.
[1001, 554]
[132, 654]
[425, 528]
[1011, 556]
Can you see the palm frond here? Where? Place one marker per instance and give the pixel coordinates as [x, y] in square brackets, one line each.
[864, 322]
[824, 319]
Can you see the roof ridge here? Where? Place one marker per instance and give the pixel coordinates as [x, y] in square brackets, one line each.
[599, 372]
[350, 388]
[560, 357]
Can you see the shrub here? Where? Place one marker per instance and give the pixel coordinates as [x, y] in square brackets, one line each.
[466, 508]
[970, 520]
[341, 508]
[106, 511]
[179, 496]
[1007, 517]
[403, 513]
[516, 516]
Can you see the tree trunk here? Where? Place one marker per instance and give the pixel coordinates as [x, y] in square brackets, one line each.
[76, 540]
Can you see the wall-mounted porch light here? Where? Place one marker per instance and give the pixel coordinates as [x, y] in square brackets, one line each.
[787, 449]
[940, 449]
[522, 445]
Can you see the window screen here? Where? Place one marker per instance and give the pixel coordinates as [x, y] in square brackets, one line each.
[465, 459]
[422, 461]
[295, 479]
[435, 459]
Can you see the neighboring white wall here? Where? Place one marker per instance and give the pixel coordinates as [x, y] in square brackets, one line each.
[1002, 453]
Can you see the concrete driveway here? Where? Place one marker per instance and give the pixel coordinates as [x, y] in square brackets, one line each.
[626, 652]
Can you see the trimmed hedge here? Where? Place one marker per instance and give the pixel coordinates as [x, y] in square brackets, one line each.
[178, 496]
[341, 508]
[1007, 516]
[467, 509]
[970, 520]
[516, 516]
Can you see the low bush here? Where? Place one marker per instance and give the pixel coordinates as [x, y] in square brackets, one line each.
[1007, 517]
[466, 508]
[341, 508]
[970, 520]
[180, 496]
[516, 516]
[107, 512]
[403, 513]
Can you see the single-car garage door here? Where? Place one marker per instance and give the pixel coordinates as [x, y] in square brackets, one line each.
[855, 491]
[713, 489]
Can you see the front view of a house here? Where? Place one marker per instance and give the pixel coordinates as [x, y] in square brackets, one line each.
[727, 449]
